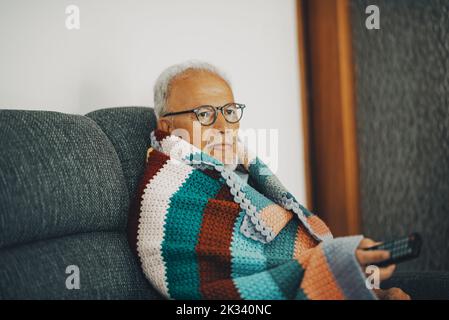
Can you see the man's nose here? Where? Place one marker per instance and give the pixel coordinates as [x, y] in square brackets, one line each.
[221, 124]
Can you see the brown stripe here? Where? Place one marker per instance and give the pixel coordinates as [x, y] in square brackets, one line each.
[160, 135]
[213, 250]
[155, 162]
[214, 174]
[225, 194]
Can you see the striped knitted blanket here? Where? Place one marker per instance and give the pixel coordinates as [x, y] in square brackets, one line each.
[201, 232]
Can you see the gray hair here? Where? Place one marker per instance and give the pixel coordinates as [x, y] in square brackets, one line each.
[162, 85]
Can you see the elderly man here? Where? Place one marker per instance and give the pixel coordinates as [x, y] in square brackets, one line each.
[201, 126]
[213, 222]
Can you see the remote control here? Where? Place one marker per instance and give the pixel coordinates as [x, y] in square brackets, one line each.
[400, 250]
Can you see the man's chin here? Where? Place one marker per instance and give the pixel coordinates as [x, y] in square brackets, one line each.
[225, 158]
[225, 155]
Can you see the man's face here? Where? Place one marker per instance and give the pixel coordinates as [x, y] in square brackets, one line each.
[192, 89]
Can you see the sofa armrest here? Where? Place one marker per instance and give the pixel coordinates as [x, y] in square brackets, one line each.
[421, 285]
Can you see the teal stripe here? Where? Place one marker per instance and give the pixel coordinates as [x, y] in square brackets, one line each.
[259, 171]
[300, 295]
[247, 256]
[259, 286]
[288, 277]
[203, 157]
[267, 182]
[183, 224]
[249, 267]
[306, 211]
[257, 199]
[281, 248]
[258, 277]
[280, 253]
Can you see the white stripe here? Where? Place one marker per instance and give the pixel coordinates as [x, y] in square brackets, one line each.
[177, 148]
[153, 211]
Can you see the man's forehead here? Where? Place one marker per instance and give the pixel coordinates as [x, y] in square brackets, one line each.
[196, 87]
[198, 78]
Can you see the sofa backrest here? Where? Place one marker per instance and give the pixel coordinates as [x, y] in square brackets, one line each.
[128, 129]
[65, 188]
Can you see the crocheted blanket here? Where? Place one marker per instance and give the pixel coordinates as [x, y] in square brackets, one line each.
[201, 232]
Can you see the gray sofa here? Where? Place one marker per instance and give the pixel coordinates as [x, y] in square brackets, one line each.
[66, 185]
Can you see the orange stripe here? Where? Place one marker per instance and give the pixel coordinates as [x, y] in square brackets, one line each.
[318, 226]
[303, 241]
[275, 217]
[319, 282]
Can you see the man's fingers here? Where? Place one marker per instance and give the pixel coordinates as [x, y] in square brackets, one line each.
[370, 257]
[387, 272]
[391, 294]
[381, 294]
[397, 294]
[367, 243]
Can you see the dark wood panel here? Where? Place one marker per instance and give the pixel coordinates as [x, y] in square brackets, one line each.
[329, 109]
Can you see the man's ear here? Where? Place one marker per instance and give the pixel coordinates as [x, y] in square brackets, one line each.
[164, 124]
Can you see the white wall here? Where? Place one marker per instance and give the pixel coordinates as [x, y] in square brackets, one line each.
[123, 45]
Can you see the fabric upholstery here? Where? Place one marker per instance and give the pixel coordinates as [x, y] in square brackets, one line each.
[128, 128]
[421, 285]
[64, 200]
[59, 175]
[107, 269]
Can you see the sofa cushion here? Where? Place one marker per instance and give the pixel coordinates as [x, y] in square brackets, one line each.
[59, 175]
[128, 128]
[105, 266]
[429, 285]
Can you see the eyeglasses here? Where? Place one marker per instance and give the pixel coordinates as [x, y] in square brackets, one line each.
[207, 115]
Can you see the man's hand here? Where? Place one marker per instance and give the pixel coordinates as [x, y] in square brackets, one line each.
[391, 294]
[367, 258]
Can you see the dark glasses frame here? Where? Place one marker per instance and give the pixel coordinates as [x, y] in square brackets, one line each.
[196, 110]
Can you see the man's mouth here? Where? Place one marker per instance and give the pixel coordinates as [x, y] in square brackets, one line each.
[219, 146]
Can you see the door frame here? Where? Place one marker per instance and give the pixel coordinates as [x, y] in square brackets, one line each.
[328, 112]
